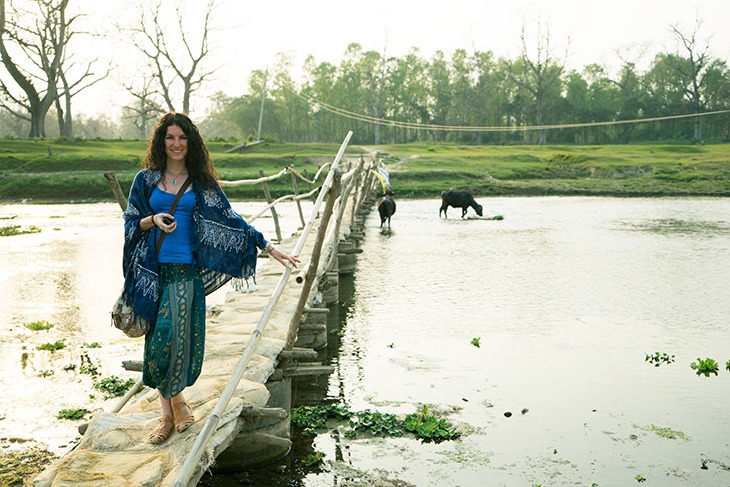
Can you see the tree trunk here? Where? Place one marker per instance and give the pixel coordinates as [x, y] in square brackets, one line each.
[37, 123]
[698, 130]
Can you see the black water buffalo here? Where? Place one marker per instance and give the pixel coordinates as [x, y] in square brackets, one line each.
[386, 208]
[458, 199]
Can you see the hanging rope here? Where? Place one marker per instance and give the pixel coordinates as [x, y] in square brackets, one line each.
[461, 128]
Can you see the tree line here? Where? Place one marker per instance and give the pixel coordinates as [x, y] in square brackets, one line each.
[469, 97]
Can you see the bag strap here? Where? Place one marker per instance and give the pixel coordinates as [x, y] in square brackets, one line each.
[179, 194]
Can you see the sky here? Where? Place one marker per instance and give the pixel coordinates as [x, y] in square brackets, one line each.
[249, 35]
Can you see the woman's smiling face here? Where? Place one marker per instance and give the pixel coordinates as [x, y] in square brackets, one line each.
[176, 144]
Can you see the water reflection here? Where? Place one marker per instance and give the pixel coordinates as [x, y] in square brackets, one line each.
[673, 226]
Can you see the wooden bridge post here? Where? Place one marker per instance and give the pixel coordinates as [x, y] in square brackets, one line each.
[295, 189]
[269, 199]
[116, 189]
[313, 264]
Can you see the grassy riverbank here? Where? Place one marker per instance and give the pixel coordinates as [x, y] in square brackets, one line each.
[72, 170]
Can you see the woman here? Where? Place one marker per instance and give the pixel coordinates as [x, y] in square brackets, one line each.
[206, 243]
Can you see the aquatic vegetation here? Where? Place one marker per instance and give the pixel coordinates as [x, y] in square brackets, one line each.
[72, 413]
[705, 367]
[313, 459]
[92, 345]
[39, 325]
[69, 367]
[424, 425]
[659, 358]
[376, 423]
[114, 386]
[89, 369]
[316, 416]
[46, 373]
[727, 365]
[640, 478]
[429, 428]
[475, 341]
[12, 230]
[52, 347]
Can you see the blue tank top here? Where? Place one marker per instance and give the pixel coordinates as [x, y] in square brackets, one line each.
[177, 247]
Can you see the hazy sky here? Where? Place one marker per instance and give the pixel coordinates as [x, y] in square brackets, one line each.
[254, 32]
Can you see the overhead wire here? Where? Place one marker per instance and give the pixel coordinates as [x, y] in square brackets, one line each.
[513, 128]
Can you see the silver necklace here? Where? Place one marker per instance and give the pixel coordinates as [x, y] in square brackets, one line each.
[174, 177]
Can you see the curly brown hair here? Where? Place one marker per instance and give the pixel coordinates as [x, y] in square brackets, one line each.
[198, 162]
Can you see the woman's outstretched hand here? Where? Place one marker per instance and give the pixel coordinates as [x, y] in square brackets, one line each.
[284, 258]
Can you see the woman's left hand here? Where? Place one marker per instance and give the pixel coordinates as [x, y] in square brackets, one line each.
[284, 258]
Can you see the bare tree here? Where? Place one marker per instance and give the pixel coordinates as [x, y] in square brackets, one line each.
[144, 109]
[538, 75]
[174, 58]
[38, 49]
[34, 47]
[83, 80]
[692, 70]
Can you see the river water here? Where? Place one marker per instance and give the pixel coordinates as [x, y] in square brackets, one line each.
[566, 297]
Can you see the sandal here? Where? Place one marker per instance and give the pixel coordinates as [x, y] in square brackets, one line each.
[162, 432]
[183, 416]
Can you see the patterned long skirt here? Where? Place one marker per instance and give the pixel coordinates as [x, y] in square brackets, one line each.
[173, 349]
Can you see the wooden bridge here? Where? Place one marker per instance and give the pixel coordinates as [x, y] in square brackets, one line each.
[255, 342]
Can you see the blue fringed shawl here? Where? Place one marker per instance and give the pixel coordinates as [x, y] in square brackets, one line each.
[225, 246]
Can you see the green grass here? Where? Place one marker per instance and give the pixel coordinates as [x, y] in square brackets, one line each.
[73, 170]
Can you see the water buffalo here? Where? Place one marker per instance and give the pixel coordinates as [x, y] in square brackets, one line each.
[458, 199]
[386, 208]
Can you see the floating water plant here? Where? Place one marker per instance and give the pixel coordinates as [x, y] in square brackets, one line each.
[313, 459]
[89, 369]
[475, 341]
[317, 416]
[429, 428]
[640, 478]
[376, 423]
[39, 325]
[727, 365]
[423, 424]
[72, 413]
[705, 367]
[52, 347]
[114, 386]
[92, 345]
[11, 230]
[46, 372]
[659, 358]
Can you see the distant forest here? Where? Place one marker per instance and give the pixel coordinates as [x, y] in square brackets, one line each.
[469, 97]
[412, 99]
